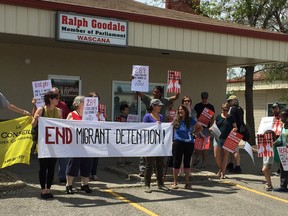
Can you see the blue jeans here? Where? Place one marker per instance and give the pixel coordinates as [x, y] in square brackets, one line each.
[62, 167]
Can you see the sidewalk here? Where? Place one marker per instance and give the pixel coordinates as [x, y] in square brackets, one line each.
[113, 176]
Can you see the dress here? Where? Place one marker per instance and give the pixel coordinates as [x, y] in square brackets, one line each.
[183, 144]
[76, 164]
[150, 161]
[3, 102]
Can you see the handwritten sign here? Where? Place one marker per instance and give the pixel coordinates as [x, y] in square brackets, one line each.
[133, 118]
[90, 109]
[283, 154]
[140, 79]
[39, 89]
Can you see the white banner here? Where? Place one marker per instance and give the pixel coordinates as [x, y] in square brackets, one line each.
[68, 138]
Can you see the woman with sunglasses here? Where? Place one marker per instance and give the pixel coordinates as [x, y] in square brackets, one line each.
[225, 122]
[47, 165]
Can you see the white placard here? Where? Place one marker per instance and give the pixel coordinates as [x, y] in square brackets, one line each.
[283, 155]
[69, 138]
[215, 131]
[39, 89]
[90, 109]
[133, 118]
[265, 124]
[140, 81]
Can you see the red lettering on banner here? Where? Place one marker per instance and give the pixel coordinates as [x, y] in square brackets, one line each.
[63, 134]
[109, 26]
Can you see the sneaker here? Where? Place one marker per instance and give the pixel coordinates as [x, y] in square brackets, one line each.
[44, 196]
[69, 189]
[141, 174]
[268, 188]
[188, 187]
[163, 187]
[95, 177]
[147, 189]
[50, 196]
[86, 189]
[230, 167]
[281, 189]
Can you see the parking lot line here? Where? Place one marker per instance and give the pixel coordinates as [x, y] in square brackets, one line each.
[135, 205]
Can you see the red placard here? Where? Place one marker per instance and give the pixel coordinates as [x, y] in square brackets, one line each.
[232, 141]
[205, 117]
[173, 83]
[265, 146]
[202, 143]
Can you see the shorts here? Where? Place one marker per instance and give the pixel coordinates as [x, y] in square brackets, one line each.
[268, 161]
[84, 165]
[218, 143]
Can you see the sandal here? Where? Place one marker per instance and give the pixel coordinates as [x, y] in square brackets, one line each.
[174, 186]
[223, 177]
[188, 187]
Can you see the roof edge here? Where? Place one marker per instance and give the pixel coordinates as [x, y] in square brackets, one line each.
[56, 6]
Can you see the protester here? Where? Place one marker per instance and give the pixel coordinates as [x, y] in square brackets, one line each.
[47, 165]
[238, 114]
[199, 107]
[185, 127]
[62, 161]
[225, 122]
[157, 93]
[5, 104]
[151, 117]
[187, 101]
[84, 165]
[124, 111]
[95, 160]
[267, 164]
[277, 127]
[282, 141]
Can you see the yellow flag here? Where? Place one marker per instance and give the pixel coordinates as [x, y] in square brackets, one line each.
[15, 141]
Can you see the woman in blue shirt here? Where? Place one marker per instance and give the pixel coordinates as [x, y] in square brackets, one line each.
[185, 128]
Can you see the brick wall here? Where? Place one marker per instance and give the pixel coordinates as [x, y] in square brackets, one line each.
[182, 5]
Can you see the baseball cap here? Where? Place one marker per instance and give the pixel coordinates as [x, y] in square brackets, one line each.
[232, 97]
[275, 105]
[156, 102]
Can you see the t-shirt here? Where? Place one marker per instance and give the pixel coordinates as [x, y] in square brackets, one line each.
[65, 110]
[148, 118]
[146, 99]
[3, 102]
[238, 114]
[184, 134]
[199, 107]
[76, 116]
[225, 125]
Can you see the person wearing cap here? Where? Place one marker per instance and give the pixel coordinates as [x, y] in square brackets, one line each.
[157, 93]
[5, 104]
[199, 107]
[154, 116]
[238, 114]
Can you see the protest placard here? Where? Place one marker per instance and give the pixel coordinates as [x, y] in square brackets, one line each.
[133, 118]
[232, 141]
[140, 78]
[90, 109]
[202, 143]
[265, 124]
[283, 155]
[39, 89]
[265, 145]
[173, 82]
[205, 117]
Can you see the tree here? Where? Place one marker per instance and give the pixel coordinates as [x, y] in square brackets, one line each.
[265, 14]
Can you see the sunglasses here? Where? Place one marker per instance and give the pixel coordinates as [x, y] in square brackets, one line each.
[187, 101]
[225, 109]
[54, 96]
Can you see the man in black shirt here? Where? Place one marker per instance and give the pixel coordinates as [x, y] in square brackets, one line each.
[199, 107]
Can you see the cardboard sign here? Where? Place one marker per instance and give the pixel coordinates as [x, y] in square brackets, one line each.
[173, 83]
[205, 117]
[265, 146]
[232, 141]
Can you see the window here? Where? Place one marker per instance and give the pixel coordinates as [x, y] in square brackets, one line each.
[121, 94]
[69, 86]
[269, 108]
